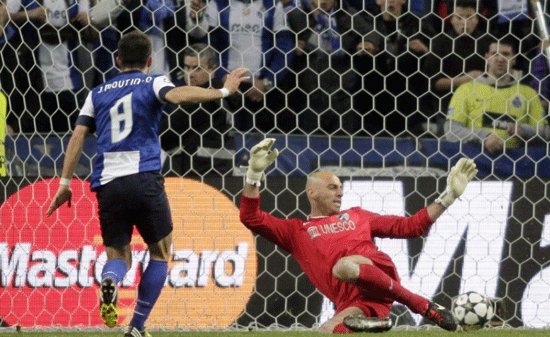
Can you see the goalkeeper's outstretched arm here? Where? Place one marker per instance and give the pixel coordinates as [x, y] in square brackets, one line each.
[261, 157]
[457, 180]
[251, 191]
[460, 175]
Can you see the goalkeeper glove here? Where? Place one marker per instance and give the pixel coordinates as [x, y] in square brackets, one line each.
[461, 174]
[260, 159]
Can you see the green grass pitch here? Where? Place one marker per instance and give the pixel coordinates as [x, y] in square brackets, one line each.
[394, 333]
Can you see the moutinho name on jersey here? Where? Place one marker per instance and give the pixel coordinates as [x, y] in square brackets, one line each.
[122, 83]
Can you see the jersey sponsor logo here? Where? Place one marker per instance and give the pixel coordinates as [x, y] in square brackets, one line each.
[331, 228]
[57, 14]
[313, 232]
[60, 259]
[495, 120]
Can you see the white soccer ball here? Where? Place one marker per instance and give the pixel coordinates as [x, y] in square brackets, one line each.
[473, 309]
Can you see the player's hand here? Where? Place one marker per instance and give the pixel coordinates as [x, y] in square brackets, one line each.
[418, 46]
[494, 143]
[63, 195]
[261, 157]
[234, 79]
[457, 180]
[82, 18]
[40, 13]
[366, 48]
[515, 130]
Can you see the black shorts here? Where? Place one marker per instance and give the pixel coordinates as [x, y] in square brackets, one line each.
[138, 199]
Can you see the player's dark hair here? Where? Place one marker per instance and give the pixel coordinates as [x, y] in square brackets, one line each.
[510, 40]
[203, 52]
[506, 40]
[134, 50]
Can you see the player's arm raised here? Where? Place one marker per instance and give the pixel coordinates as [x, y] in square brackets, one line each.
[457, 180]
[261, 157]
[72, 156]
[194, 95]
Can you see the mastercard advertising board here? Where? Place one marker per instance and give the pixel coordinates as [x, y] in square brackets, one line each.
[50, 267]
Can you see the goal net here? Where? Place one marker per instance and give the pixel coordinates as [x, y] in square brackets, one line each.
[357, 89]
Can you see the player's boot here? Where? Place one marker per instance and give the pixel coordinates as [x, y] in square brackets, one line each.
[132, 331]
[442, 317]
[363, 323]
[108, 296]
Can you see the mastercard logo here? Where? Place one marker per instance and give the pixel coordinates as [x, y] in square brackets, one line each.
[50, 268]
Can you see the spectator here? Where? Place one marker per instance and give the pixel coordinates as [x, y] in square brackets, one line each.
[403, 40]
[252, 34]
[62, 26]
[501, 18]
[196, 136]
[154, 13]
[123, 19]
[335, 248]
[296, 16]
[8, 83]
[338, 35]
[18, 70]
[155, 18]
[456, 57]
[495, 109]
[186, 15]
[505, 17]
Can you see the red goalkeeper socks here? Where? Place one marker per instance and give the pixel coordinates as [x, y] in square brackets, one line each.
[370, 275]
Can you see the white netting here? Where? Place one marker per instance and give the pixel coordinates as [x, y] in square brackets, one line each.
[355, 91]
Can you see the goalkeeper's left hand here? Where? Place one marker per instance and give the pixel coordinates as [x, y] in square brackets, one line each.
[261, 157]
[64, 194]
[459, 177]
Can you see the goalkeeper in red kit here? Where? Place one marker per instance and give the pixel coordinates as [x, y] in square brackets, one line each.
[336, 251]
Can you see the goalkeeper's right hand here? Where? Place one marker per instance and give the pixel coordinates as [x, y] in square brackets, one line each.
[459, 177]
[260, 158]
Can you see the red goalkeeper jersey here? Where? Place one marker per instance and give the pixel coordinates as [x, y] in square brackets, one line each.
[318, 243]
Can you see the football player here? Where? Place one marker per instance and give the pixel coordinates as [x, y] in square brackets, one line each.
[125, 113]
[336, 251]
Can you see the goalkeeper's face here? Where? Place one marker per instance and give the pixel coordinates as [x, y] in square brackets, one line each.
[324, 191]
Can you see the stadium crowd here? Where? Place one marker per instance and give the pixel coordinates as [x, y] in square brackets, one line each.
[328, 67]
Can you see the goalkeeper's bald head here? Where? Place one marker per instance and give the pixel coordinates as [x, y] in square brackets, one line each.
[324, 192]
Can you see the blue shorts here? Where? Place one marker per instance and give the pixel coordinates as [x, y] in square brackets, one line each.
[138, 199]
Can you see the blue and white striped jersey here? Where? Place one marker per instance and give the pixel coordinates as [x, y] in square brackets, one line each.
[125, 112]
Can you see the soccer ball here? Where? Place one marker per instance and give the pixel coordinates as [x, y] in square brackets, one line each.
[473, 309]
